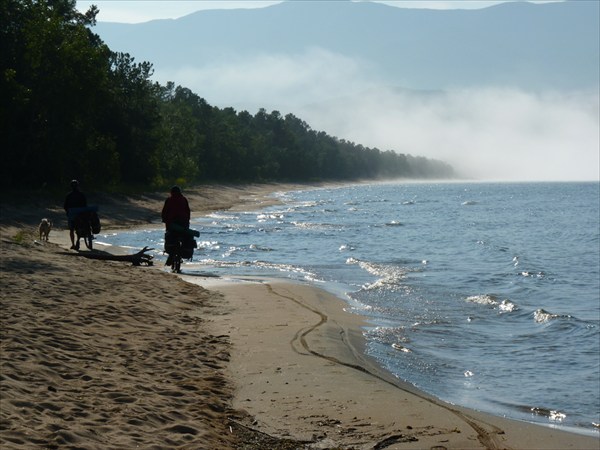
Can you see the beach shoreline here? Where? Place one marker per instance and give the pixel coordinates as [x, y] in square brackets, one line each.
[279, 360]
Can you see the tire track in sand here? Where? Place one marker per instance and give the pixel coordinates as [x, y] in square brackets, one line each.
[489, 438]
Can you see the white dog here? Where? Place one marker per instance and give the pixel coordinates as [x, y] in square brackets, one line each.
[44, 228]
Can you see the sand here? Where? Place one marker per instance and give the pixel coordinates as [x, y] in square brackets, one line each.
[102, 354]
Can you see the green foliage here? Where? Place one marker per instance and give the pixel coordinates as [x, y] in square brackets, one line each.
[72, 108]
[20, 238]
[54, 80]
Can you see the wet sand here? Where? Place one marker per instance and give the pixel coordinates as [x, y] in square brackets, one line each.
[103, 354]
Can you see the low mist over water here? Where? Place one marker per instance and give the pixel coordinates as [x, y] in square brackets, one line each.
[491, 133]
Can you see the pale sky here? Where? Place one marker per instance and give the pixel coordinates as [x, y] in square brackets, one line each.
[144, 10]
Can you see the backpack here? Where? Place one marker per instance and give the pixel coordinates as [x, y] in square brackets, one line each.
[95, 222]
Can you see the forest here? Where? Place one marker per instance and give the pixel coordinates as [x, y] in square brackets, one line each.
[72, 108]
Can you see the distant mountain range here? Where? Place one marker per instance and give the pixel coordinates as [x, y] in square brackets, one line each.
[522, 45]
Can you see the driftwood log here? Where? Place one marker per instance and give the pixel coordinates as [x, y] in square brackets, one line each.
[136, 259]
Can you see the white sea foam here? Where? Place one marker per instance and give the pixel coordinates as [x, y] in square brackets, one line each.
[507, 306]
[533, 274]
[230, 251]
[543, 316]
[209, 245]
[389, 276]
[504, 306]
[315, 226]
[389, 334]
[401, 348]
[259, 248]
[553, 415]
[484, 299]
[221, 216]
[265, 217]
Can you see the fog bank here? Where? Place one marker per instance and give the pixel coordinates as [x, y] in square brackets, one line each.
[498, 133]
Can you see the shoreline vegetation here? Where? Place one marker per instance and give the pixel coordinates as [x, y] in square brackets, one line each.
[101, 354]
[96, 115]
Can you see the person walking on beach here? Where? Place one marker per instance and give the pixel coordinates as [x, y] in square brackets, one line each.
[176, 216]
[176, 210]
[74, 199]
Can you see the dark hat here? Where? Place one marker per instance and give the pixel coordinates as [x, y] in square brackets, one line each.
[175, 190]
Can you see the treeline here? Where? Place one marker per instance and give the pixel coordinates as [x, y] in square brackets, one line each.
[72, 108]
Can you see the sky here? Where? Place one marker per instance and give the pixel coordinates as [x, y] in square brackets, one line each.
[142, 10]
[484, 132]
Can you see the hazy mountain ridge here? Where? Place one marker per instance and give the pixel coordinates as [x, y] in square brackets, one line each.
[521, 45]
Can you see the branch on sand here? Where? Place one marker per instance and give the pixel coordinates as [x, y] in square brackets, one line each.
[136, 259]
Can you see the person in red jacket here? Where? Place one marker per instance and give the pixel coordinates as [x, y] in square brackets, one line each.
[176, 210]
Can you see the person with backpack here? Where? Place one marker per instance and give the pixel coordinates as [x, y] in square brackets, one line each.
[176, 211]
[74, 199]
[176, 217]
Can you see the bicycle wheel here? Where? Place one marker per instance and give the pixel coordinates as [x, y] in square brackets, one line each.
[176, 264]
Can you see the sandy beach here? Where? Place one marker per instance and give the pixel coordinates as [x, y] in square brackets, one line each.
[101, 354]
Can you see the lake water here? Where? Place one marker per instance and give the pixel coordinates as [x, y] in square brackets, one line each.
[485, 295]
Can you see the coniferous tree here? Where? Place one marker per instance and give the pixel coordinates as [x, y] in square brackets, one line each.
[73, 108]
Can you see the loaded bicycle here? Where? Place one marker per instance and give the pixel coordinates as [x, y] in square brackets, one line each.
[179, 245]
[86, 223]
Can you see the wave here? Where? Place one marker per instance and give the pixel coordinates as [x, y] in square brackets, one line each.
[389, 276]
[491, 300]
[543, 316]
[485, 299]
[391, 223]
[532, 274]
[288, 268]
[507, 306]
[222, 216]
[401, 348]
[258, 248]
[552, 414]
[305, 206]
[540, 315]
[296, 271]
[209, 245]
[317, 226]
[388, 335]
[272, 216]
